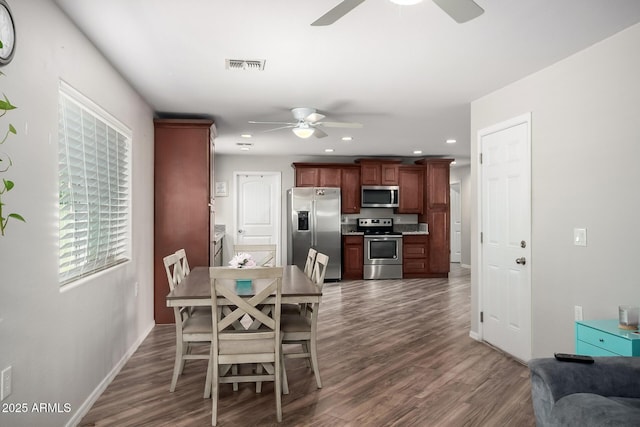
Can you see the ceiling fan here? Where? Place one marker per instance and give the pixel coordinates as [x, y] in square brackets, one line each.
[308, 123]
[460, 10]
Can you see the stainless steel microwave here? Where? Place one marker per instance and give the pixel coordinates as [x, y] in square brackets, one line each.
[380, 196]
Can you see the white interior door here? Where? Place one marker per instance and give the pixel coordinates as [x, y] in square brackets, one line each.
[258, 200]
[506, 236]
[456, 222]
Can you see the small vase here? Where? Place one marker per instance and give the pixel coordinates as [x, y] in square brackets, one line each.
[243, 286]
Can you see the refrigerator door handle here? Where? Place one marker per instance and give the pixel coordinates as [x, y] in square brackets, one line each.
[314, 224]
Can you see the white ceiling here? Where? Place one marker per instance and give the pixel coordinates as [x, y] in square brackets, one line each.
[407, 73]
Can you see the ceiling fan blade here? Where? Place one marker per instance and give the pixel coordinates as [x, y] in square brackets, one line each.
[339, 125]
[336, 13]
[278, 128]
[271, 123]
[460, 10]
[314, 117]
[319, 133]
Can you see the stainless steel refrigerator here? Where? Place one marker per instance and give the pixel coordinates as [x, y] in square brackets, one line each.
[314, 222]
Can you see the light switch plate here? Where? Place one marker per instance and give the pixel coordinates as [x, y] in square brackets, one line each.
[580, 236]
[5, 383]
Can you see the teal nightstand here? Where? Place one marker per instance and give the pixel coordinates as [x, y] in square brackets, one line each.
[604, 338]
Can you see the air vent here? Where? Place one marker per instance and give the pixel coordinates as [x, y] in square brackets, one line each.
[245, 64]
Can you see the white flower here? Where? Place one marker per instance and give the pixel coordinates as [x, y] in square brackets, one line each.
[242, 260]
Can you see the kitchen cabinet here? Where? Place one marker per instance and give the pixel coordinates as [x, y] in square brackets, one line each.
[378, 172]
[346, 177]
[436, 214]
[182, 182]
[350, 190]
[415, 251]
[352, 257]
[411, 183]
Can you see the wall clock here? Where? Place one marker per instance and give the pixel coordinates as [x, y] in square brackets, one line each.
[7, 33]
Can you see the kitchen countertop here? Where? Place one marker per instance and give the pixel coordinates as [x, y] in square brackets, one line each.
[353, 233]
[418, 233]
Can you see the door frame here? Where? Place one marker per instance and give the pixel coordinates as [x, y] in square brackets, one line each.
[276, 201]
[515, 121]
[459, 185]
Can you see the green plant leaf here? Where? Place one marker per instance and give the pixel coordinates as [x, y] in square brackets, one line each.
[8, 184]
[6, 104]
[1, 45]
[18, 217]
[12, 129]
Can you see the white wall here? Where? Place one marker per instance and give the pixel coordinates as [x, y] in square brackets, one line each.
[585, 151]
[62, 345]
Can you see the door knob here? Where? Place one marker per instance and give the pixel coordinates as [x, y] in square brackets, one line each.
[521, 260]
[240, 231]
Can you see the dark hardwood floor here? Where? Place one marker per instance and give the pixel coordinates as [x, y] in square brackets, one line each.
[392, 353]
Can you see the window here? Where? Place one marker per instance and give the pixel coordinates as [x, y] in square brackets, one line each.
[94, 190]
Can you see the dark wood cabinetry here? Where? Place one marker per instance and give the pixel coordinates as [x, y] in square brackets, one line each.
[346, 177]
[436, 214]
[411, 183]
[352, 257]
[183, 152]
[377, 172]
[415, 252]
[350, 190]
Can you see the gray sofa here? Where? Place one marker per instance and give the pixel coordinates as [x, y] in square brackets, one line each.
[605, 393]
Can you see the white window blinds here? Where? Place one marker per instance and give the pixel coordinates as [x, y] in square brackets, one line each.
[94, 188]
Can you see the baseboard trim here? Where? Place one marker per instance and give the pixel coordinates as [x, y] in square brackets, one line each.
[474, 335]
[97, 392]
[465, 266]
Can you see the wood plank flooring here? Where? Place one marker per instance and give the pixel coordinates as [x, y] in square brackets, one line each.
[392, 353]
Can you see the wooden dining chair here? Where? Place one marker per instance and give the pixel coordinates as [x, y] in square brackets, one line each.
[311, 260]
[190, 329]
[264, 255]
[302, 328]
[235, 344]
[184, 271]
[184, 264]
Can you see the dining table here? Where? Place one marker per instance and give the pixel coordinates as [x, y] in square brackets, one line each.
[195, 289]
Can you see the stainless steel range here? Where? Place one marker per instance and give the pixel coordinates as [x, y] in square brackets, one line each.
[382, 248]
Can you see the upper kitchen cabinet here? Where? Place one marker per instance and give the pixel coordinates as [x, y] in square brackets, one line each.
[379, 172]
[345, 177]
[183, 170]
[411, 183]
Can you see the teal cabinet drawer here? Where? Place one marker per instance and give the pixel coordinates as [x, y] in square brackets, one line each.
[591, 350]
[597, 338]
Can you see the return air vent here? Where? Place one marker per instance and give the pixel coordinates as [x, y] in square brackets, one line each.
[245, 64]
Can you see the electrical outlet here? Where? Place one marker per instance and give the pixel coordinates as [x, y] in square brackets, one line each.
[5, 383]
[577, 312]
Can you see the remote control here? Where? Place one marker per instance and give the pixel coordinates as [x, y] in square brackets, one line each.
[577, 358]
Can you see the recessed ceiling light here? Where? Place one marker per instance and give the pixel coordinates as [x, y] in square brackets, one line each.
[347, 138]
[244, 148]
[246, 135]
[417, 152]
[451, 141]
[453, 163]
[328, 150]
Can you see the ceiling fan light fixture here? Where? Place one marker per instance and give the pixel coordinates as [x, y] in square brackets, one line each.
[406, 2]
[303, 132]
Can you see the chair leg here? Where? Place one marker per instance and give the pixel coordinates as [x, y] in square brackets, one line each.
[314, 362]
[178, 365]
[277, 378]
[214, 389]
[305, 349]
[285, 382]
[258, 383]
[207, 382]
[234, 372]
